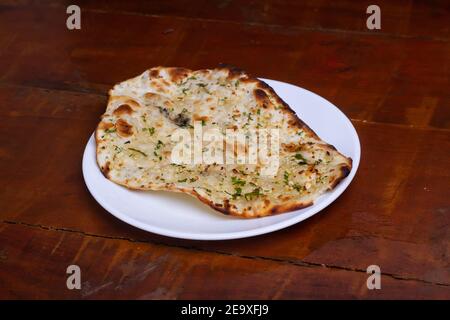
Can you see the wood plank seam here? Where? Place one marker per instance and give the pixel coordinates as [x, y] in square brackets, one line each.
[297, 263]
[98, 93]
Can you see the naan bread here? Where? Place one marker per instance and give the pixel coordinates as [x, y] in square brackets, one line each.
[134, 141]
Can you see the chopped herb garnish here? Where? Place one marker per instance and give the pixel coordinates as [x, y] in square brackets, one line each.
[237, 193]
[258, 111]
[183, 180]
[237, 182]
[236, 84]
[203, 123]
[151, 130]
[202, 85]
[138, 151]
[110, 130]
[286, 177]
[298, 156]
[255, 193]
[185, 90]
[159, 144]
[297, 187]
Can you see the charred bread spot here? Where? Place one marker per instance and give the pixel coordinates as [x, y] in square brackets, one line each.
[154, 73]
[123, 109]
[344, 172]
[263, 85]
[261, 98]
[124, 129]
[225, 209]
[178, 74]
[181, 120]
[291, 147]
[105, 169]
[233, 71]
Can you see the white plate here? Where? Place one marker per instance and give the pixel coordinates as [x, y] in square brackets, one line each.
[182, 216]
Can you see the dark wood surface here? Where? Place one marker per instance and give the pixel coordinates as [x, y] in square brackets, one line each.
[392, 83]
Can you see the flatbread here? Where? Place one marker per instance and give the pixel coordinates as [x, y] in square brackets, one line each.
[136, 146]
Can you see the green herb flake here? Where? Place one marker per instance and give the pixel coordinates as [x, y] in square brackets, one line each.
[138, 151]
[159, 144]
[302, 161]
[111, 130]
[237, 193]
[237, 182]
[254, 194]
[286, 177]
[150, 130]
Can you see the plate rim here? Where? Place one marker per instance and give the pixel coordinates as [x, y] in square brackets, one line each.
[314, 209]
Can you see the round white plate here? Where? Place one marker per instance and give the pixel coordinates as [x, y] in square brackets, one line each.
[182, 216]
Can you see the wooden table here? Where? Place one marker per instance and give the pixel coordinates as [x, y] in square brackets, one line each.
[393, 83]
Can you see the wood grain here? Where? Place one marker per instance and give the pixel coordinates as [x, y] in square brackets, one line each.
[34, 261]
[401, 18]
[392, 83]
[375, 221]
[379, 79]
